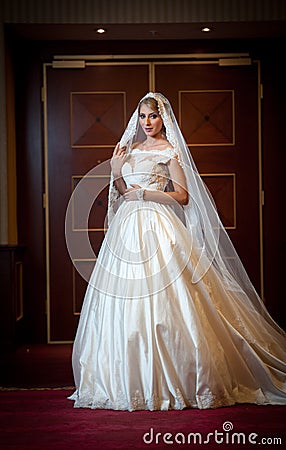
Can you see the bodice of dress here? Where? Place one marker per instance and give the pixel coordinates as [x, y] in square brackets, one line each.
[148, 169]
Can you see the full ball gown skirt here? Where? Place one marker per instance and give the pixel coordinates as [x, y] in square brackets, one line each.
[148, 338]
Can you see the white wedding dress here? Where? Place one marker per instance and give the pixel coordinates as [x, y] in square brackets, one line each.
[148, 338]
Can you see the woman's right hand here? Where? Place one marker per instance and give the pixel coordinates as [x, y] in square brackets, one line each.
[117, 160]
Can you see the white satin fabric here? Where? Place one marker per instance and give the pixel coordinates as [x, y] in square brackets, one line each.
[150, 339]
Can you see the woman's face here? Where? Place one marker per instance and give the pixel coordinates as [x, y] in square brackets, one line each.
[150, 121]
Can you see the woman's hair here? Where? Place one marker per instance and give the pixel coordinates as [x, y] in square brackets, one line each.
[152, 104]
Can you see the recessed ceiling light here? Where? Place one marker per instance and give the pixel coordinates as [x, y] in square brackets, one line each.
[206, 29]
[100, 30]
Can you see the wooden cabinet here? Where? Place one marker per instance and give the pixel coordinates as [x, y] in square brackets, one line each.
[11, 295]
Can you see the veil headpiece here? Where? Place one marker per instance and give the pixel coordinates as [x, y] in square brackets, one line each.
[164, 109]
[200, 215]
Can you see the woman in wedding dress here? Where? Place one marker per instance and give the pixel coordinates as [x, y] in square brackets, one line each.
[170, 319]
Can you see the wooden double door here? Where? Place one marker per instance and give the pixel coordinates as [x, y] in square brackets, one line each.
[86, 110]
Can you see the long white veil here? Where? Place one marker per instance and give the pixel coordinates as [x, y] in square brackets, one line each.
[200, 215]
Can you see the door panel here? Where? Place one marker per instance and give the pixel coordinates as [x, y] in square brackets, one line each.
[86, 112]
[217, 108]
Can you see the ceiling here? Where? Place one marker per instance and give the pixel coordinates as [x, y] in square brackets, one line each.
[149, 32]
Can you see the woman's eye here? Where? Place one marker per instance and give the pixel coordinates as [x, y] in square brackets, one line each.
[152, 116]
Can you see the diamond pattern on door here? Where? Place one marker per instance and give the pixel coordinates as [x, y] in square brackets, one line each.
[207, 117]
[223, 190]
[91, 186]
[97, 118]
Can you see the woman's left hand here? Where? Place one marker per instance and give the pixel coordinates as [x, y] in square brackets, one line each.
[130, 194]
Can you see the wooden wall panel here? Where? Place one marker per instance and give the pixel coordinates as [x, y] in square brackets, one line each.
[27, 62]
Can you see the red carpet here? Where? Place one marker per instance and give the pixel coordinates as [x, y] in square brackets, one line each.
[45, 420]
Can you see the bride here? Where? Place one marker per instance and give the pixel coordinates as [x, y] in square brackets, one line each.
[170, 319]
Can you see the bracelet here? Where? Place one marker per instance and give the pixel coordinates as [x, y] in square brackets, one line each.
[140, 194]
